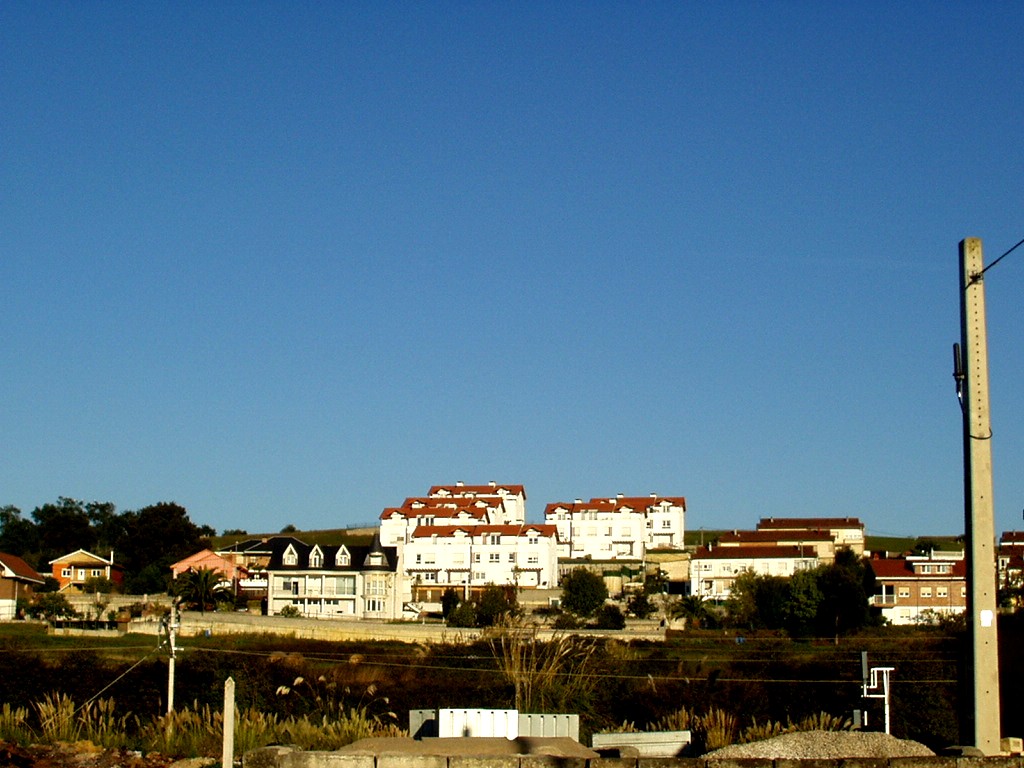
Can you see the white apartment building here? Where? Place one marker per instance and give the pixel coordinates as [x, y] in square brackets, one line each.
[510, 511]
[458, 504]
[468, 558]
[713, 569]
[618, 528]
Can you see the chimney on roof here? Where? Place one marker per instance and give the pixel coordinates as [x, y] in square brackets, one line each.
[459, 483]
[654, 495]
[578, 501]
[619, 496]
[492, 484]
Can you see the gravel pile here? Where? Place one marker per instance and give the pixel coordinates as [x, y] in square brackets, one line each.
[825, 745]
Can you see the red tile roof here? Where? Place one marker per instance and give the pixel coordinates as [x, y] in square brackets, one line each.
[490, 488]
[739, 537]
[900, 568]
[615, 503]
[426, 531]
[20, 568]
[435, 512]
[753, 553]
[809, 523]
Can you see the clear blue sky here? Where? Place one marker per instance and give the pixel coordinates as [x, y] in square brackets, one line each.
[291, 263]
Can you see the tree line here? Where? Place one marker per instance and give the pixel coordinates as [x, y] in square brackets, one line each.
[145, 542]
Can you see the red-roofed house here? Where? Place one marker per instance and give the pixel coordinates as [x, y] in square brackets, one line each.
[470, 557]
[920, 589]
[458, 504]
[618, 528]
[74, 570]
[848, 532]
[18, 581]
[713, 569]
[822, 541]
[512, 498]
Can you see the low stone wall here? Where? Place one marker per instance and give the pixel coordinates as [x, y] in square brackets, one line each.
[283, 757]
[194, 624]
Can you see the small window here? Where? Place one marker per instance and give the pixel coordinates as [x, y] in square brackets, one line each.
[926, 591]
[942, 591]
[903, 592]
[494, 557]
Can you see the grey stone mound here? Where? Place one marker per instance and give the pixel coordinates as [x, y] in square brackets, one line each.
[809, 745]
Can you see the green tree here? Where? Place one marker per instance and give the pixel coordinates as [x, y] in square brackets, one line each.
[610, 617]
[18, 536]
[640, 605]
[63, 527]
[464, 615]
[583, 592]
[845, 586]
[200, 588]
[449, 602]
[158, 536]
[98, 585]
[741, 604]
[496, 602]
[801, 609]
[694, 609]
[52, 605]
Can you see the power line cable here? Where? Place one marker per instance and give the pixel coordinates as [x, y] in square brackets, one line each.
[986, 269]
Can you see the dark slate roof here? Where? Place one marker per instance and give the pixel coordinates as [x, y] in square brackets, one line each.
[359, 560]
[257, 546]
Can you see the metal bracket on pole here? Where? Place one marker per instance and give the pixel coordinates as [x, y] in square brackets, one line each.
[880, 688]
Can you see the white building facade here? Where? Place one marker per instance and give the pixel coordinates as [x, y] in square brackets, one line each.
[469, 558]
[714, 569]
[618, 528]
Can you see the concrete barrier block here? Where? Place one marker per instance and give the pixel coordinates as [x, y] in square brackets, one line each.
[987, 762]
[412, 761]
[266, 757]
[679, 762]
[613, 762]
[745, 762]
[327, 760]
[547, 761]
[483, 761]
[806, 763]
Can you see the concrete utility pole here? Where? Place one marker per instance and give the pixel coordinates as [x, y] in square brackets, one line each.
[980, 721]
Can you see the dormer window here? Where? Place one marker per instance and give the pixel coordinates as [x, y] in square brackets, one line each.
[316, 558]
[343, 557]
[291, 557]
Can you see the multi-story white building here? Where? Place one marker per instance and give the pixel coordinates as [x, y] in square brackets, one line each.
[458, 504]
[512, 498]
[713, 569]
[618, 528]
[468, 558]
